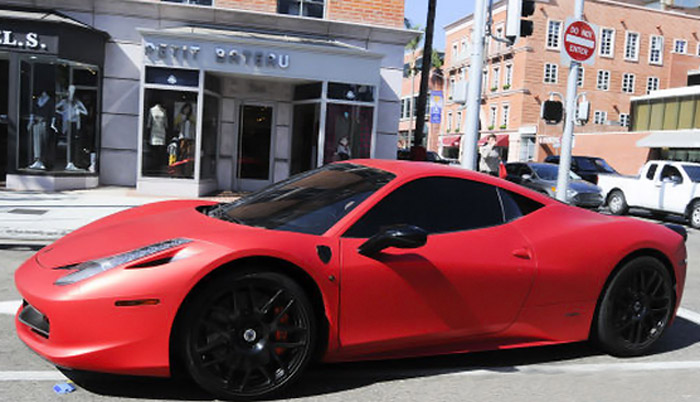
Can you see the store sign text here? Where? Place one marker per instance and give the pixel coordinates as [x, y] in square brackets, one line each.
[251, 58]
[21, 41]
[163, 50]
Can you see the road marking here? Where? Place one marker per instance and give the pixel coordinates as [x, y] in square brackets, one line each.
[688, 315]
[10, 307]
[53, 375]
[584, 368]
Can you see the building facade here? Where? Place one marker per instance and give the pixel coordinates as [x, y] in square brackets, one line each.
[186, 99]
[640, 49]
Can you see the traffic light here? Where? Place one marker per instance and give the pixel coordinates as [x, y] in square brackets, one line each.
[516, 26]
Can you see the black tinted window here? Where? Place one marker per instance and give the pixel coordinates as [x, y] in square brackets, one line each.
[435, 204]
[669, 172]
[651, 172]
[516, 205]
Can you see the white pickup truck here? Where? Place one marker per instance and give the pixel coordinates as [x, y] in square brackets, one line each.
[662, 187]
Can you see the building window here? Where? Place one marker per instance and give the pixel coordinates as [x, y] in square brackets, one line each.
[652, 84]
[452, 86]
[631, 46]
[628, 83]
[599, 117]
[697, 52]
[603, 80]
[192, 2]
[303, 8]
[550, 73]
[607, 42]
[553, 34]
[579, 77]
[458, 123]
[492, 117]
[508, 79]
[656, 50]
[495, 78]
[455, 49]
[680, 46]
[528, 144]
[624, 119]
[505, 115]
[449, 121]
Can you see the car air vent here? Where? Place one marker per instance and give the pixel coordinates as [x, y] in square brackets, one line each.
[34, 319]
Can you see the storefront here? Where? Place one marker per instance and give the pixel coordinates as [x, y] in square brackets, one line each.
[223, 110]
[50, 80]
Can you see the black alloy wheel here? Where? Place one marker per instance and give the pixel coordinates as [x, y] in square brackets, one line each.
[248, 335]
[617, 203]
[636, 308]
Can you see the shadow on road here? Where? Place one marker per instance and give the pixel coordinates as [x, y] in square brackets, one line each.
[332, 378]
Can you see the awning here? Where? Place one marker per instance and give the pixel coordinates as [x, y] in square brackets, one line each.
[450, 140]
[671, 139]
[501, 140]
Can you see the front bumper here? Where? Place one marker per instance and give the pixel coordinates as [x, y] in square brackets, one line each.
[587, 200]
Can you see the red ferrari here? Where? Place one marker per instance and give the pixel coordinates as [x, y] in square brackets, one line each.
[360, 260]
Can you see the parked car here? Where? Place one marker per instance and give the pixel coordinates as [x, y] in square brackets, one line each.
[343, 263]
[662, 187]
[542, 177]
[430, 156]
[588, 167]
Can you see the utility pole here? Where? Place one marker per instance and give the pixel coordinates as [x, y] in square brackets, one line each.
[567, 137]
[473, 106]
[424, 78]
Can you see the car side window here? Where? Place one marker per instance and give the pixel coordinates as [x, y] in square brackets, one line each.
[516, 205]
[435, 204]
[669, 172]
[652, 171]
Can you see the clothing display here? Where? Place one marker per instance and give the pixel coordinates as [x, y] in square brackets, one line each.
[157, 124]
[71, 110]
[185, 126]
[38, 121]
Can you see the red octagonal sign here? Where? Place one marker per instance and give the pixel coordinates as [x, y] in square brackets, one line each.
[579, 41]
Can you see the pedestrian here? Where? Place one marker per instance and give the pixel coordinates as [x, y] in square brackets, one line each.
[490, 159]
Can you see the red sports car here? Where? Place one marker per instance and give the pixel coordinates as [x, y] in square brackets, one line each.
[365, 259]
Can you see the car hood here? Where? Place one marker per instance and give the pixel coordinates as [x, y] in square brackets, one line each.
[131, 229]
[580, 186]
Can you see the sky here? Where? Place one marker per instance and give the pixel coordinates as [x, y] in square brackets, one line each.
[447, 11]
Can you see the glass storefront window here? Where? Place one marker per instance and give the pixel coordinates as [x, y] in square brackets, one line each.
[348, 132]
[58, 116]
[350, 92]
[210, 128]
[169, 133]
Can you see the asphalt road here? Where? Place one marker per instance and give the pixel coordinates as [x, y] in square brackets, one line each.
[575, 372]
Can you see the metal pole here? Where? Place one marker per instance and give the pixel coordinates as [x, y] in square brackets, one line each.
[473, 106]
[567, 137]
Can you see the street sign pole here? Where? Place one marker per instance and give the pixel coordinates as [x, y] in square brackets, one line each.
[567, 137]
[473, 104]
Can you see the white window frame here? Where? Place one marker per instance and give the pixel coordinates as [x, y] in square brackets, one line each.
[449, 121]
[656, 82]
[496, 77]
[549, 38]
[628, 81]
[599, 82]
[600, 117]
[455, 49]
[660, 61]
[697, 50]
[493, 115]
[624, 119]
[611, 53]
[676, 42]
[581, 79]
[505, 115]
[635, 56]
[458, 123]
[554, 71]
[508, 79]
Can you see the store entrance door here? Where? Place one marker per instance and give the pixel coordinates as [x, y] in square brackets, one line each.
[254, 162]
[4, 76]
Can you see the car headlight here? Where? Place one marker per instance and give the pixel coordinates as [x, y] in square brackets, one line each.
[89, 269]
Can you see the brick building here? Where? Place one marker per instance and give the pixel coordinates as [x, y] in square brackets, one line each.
[640, 49]
[192, 96]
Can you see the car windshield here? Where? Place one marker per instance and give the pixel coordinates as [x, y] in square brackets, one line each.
[550, 172]
[693, 172]
[602, 166]
[311, 202]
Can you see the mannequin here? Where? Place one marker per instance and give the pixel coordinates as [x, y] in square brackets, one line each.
[70, 109]
[185, 122]
[37, 127]
[157, 124]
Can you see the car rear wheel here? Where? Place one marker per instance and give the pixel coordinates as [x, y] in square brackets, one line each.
[617, 203]
[248, 335]
[635, 308]
[694, 216]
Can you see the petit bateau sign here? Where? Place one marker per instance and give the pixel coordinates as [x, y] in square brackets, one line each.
[234, 56]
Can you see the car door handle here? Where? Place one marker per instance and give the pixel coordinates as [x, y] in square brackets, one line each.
[523, 253]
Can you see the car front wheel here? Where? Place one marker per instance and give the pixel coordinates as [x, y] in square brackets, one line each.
[694, 216]
[617, 203]
[248, 335]
[635, 308]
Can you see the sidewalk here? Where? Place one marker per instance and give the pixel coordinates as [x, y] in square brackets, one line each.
[29, 217]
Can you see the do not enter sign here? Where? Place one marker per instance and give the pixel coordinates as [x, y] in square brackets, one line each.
[579, 42]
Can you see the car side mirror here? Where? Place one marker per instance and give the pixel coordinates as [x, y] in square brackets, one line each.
[676, 179]
[400, 236]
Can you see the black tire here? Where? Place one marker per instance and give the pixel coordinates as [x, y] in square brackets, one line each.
[635, 308]
[694, 215]
[617, 203]
[248, 334]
